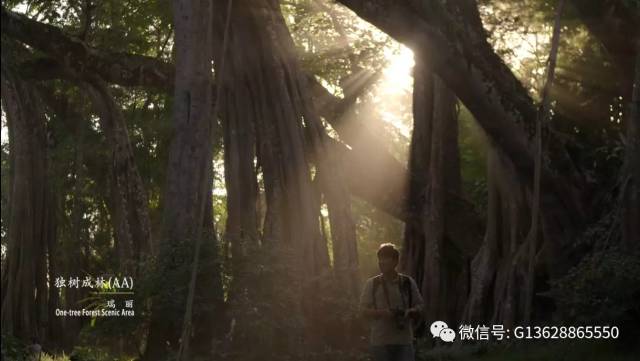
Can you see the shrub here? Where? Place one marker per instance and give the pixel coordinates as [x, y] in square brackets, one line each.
[603, 289]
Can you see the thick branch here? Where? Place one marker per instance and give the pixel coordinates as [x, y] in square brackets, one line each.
[481, 84]
[385, 177]
[114, 67]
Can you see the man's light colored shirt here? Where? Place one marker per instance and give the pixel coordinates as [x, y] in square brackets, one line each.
[384, 330]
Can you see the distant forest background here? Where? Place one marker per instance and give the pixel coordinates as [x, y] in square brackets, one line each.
[242, 160]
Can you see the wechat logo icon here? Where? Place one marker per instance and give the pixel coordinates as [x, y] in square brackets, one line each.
[439, 329]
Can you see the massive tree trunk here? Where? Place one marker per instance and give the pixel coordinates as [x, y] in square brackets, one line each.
[238, 119]
[130, 205]
[512, 229]
[483, 267]
[343, 233]
[500, 266]
[331, 171]
[210, 318]
[508, 203]
[69, 256]
[55, 327]
[270, 93]
[276, 112]
[429, 254]
[74, 262]
[190, 158]
[31, 230]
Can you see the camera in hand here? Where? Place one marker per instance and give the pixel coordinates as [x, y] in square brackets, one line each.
[398, 318]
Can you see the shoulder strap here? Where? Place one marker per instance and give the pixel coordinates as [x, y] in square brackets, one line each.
[405, 283]
[376, 283]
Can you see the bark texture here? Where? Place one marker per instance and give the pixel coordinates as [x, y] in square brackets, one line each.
[239, 120]
[266, 96]
[430, 255]
[130, 204]
[187, 185]
[497, 269]
[31, 228]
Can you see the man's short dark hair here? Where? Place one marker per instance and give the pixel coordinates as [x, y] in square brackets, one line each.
[388, 250]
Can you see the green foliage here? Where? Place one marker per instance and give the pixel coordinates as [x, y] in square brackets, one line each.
[265, 306]
[140, 27]
[473, 147]
[604, 286]
[602, 289]
[91, 354]
[47, 357]
[335, 46]
[268, 301]
[13, 348]
[169, 277]
[373, 227]
[332, 42]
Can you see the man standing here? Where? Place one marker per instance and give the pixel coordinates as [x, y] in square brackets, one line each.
[391, 301]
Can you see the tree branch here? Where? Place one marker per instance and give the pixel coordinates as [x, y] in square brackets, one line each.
[114, 67]
[385, 186]
[480, 80]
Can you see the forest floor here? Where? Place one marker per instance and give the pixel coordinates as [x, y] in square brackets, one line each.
[583, 350]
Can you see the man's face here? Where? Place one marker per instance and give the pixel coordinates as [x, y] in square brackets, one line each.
[387, 264]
